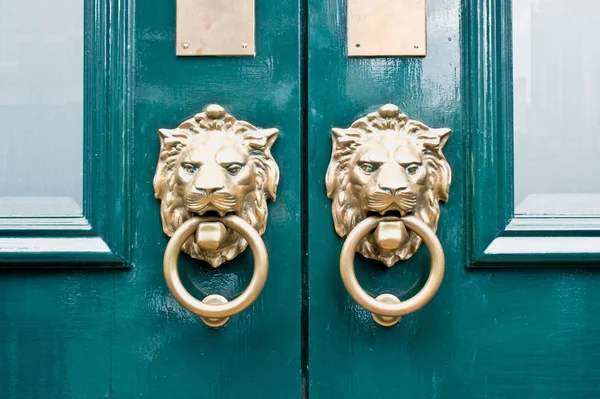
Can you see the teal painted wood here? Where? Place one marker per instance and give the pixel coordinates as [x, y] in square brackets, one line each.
[488, 127]
[119, 334]
[488, 333]
[159, 349]
[56, 333]
[173, 354]
[108, 120]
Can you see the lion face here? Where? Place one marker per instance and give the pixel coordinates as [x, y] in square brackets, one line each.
[213, 173]
[215, 165]
[387, 164]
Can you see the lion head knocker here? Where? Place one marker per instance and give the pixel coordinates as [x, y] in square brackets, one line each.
[213, 164]
[387, 164]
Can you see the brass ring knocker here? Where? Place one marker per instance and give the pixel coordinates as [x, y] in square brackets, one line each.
[215, 310]
[387, 309]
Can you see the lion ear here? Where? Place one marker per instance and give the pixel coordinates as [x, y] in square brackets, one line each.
[434, 139]
[345, 138]
[344, 144]
[263, 140]
[259, 142]
[445, 178]
[170, 141]
[333, 163]
[172, 138]
[272, 180]
[271, 135]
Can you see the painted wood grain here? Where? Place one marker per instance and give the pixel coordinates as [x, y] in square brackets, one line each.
[487, 334]
[119, 333]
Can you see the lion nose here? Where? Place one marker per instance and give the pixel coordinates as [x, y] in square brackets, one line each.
[209, 190]
[207, 181]
[394, 191]
[391, 179]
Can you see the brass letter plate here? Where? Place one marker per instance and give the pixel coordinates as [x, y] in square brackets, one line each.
[386, 28]
[215, 27]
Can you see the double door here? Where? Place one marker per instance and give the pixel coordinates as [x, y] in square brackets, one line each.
[522, 331]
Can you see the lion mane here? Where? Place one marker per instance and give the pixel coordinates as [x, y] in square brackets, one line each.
[216, 124]
[346, 208]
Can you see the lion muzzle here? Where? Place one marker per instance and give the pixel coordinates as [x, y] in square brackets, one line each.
[383, 202]
[199, 202]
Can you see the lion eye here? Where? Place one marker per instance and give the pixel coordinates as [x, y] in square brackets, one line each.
[368, 168]
[234, 169]
[413, 169]
[189, 168]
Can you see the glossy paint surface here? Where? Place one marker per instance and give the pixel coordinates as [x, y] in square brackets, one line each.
[119, 333]
[487, 333]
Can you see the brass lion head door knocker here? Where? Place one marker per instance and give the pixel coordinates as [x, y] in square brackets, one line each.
[386, 177]
[214, 176]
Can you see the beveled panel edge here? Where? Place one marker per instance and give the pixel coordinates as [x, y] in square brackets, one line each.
[553, 225]
[31, 225]
[495, 238]
[540, 252]
[25, 252]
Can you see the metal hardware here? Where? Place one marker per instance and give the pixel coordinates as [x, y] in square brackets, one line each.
[386, 321]
[387, 309]
[215, 27]
[387, 163]
[215, 310]
[386, 28]
[214, 176]
[387, 172]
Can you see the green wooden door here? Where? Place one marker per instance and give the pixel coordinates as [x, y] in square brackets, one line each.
[84, 309]
[516, 315]
[118, 332]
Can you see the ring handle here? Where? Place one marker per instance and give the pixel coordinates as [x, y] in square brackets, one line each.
[215, 310]
[388, 309]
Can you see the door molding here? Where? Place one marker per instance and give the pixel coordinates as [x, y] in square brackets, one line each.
[101, 237]
[495, 236]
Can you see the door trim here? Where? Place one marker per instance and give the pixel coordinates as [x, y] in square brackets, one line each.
[101, 236]
[495, 236]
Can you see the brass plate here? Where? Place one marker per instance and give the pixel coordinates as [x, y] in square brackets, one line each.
[386, 28]
[215, 27]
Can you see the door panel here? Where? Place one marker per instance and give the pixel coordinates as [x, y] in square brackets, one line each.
[120, 333]
[172, 352]
[369, 360]
[504, 333]
[56, 333]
